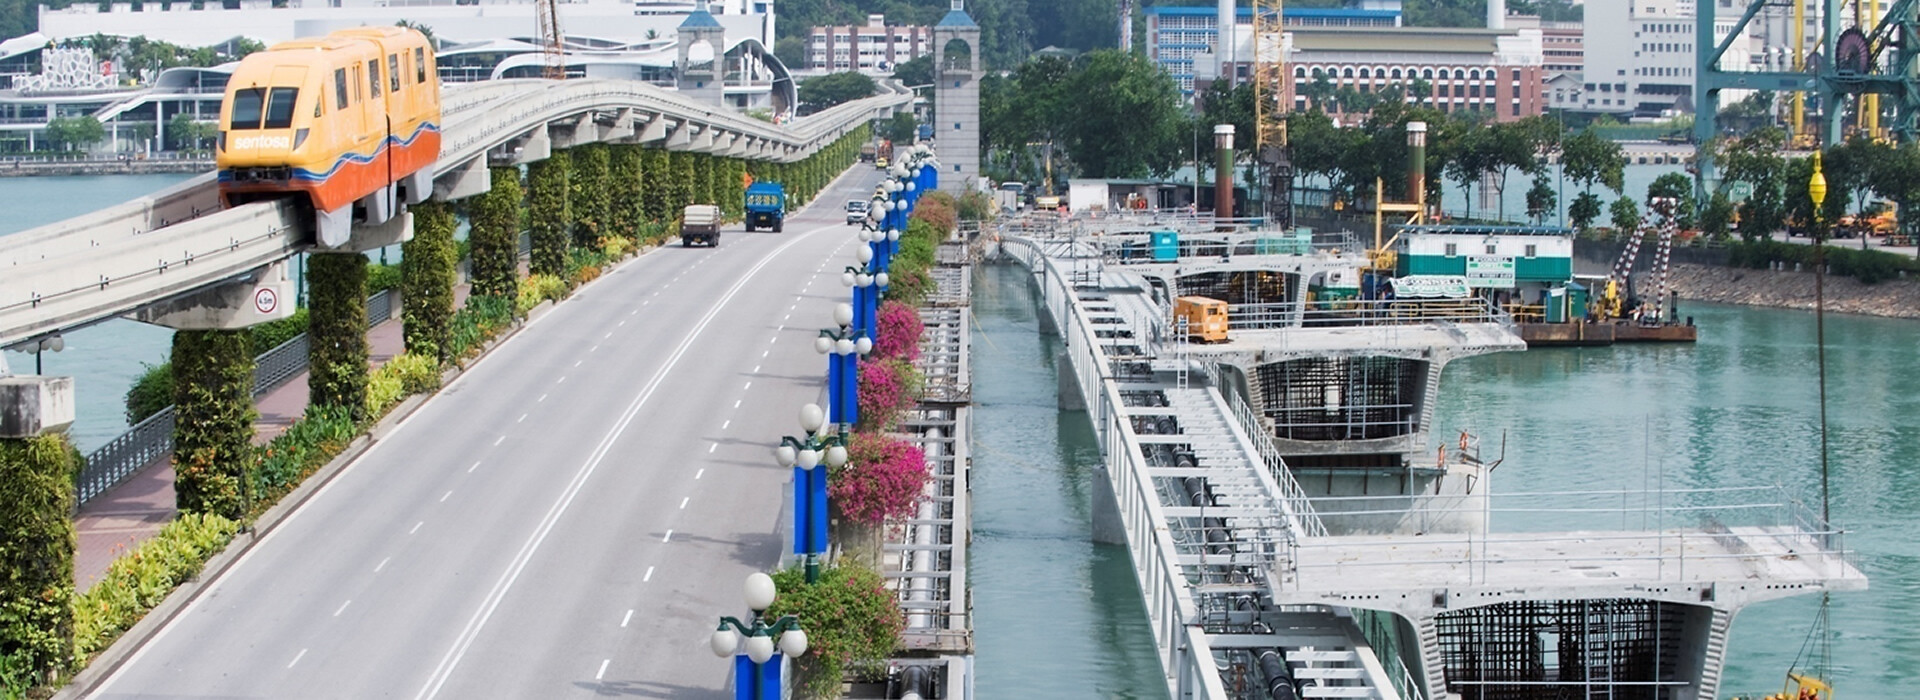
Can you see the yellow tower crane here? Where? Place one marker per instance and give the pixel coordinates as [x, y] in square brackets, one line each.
[1271, 103]
[552, 41]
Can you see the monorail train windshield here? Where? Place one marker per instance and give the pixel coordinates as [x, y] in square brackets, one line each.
[247, 110]
[280, 107]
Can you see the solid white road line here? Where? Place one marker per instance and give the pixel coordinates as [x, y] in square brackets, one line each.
[492, 601]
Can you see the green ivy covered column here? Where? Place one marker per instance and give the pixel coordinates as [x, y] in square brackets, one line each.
[628, 174]
[427, 265]
[682, 179]
[733, 187]
[36, 551]
[657, 191]
[213, 416]
[337, 330]
[496, 233]
[550, 212]
[591, 201]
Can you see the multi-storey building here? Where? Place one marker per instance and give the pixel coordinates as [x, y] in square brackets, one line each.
[873, 48]
[1648, 65]
[1499, 72]
[1175, 35]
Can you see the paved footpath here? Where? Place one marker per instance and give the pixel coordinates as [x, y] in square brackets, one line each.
[132, 511]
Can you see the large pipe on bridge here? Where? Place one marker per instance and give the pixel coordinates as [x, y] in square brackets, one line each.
[1223, 175]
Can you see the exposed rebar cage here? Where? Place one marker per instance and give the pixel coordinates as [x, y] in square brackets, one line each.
[1340, 398]
[1246, 287]
[1617, 649]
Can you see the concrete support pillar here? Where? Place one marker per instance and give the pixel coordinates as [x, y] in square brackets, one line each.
[495, 236]
[213, 420]
[338, 331]
[1069, 385]
[32, 405]
[1109, 527]
[428, 264]
[548, 199]
[36, 550]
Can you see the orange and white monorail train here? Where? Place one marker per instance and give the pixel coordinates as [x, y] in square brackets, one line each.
[349, 119]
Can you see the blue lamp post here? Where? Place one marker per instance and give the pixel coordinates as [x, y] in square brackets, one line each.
[756, 662]
[806, 455]
[843, 348]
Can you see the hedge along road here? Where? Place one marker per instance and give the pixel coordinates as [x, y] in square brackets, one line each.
[567, 519]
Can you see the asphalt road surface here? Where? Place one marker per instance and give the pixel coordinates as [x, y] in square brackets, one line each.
[567, 519]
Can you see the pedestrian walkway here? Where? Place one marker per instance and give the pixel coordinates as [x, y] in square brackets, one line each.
[134, 510]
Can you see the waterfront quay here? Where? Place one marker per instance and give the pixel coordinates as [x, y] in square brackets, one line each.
[1294, 519]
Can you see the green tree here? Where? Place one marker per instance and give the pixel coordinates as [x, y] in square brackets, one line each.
[900, 129]
[915, 72]
[1718, 214]
[1677, 187]
[791, 50]
[1584, 210]
[834, 88]
[495, 237]
[1589, 158]
[337, 330]
[549, 204]
[1319, 93]
[1755, 159]
[1124, 93]
[75, 133]
[1625, 215]
[213, 420]
[186, 134]
[427, 265]
[1541, 199]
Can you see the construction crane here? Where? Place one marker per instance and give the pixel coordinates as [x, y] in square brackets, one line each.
[1271, 103]
[552, 41]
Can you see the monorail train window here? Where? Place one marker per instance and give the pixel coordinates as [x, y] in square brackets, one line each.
[393, 72]
[373, 77]
[420, 65]
[280, 107]
[339, 88]
[246, 109]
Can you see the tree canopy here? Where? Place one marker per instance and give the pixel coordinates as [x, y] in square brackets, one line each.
[834, 88]
[1076, 107]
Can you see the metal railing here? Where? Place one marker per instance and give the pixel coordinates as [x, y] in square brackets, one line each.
[1361, 312]
[1289, 488]
[152, 439]
[1587, 522]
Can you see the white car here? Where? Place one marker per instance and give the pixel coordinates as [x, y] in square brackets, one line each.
[856, 212]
